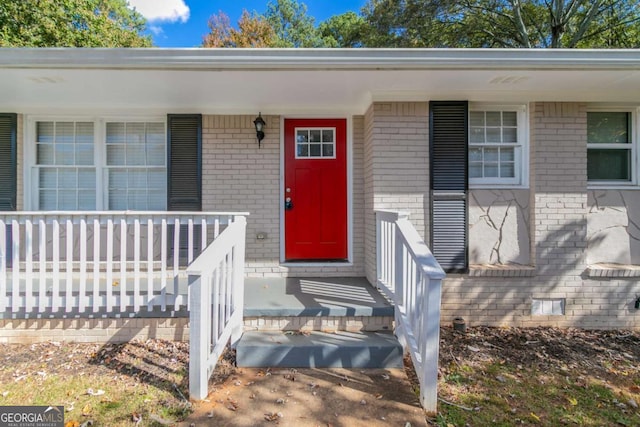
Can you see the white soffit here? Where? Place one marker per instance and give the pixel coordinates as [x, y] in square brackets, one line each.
[286, 80]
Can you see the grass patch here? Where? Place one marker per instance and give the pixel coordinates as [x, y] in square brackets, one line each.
[110, 385]
[552, 378]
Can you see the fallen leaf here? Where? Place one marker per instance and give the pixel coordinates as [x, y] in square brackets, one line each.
[271, 416]
[232, 404]
[534, 416]
[86, 410]
[572, 401]
[72, 424]
[378, 396]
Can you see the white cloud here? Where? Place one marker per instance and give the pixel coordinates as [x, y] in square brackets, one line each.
[162, 10]
[156, 30]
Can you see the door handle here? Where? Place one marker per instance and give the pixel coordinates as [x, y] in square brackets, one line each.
[288, 204]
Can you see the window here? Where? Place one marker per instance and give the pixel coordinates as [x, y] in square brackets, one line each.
[65, 163]
[136, 172]
[315, 143]
[89, 165]
[610, 146]
[496, 145]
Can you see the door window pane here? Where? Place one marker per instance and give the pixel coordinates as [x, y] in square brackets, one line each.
[315, 143]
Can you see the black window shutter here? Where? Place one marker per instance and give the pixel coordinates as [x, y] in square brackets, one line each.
[184, 175]
[184, 162]
[448, 124]
[8, 175]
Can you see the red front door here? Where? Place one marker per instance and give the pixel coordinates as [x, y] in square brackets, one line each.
[315, 189]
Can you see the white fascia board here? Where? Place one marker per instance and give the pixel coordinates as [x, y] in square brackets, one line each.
[321, 59]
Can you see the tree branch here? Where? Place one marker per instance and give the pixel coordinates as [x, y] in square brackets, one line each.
[586, 21]
[519, 23]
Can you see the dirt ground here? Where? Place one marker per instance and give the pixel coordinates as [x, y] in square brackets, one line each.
[310, 397]
[313, 397]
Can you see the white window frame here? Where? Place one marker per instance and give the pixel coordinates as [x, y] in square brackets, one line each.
[321, 157]
[521, 154]
[31, 184]
[635, 137]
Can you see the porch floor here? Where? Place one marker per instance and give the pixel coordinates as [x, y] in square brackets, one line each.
[335, 296]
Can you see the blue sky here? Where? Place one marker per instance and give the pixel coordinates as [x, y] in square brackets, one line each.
[183, 23]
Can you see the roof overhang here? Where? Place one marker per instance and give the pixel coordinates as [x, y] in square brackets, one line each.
[306, 80]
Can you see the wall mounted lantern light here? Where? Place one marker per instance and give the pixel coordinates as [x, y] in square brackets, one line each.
[259, 123]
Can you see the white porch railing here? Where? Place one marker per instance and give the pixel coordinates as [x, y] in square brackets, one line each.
[100, 263]
[216, 285]
[412, 278]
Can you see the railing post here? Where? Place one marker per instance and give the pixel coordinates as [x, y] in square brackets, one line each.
[378, 248]
[430, 344]
[15, 266]
[400, 267]
[198, 337]
[3, 264]
[238, 282]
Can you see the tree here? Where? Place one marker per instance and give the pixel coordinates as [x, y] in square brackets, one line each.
[503, 23]
[71, 23]
[401, 23]
[291, 24]
[346, 30]
[253, 31]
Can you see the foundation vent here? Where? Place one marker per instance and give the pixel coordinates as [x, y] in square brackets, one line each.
[548, 307]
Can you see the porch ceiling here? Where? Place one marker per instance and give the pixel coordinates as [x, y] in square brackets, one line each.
[303, 80]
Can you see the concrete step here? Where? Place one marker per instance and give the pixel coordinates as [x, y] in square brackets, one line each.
[329, 324]
[319, 350]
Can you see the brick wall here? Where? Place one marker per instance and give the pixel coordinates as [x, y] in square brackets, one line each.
[238, 176]
[25, 331]
[558, 212]
[395, 167]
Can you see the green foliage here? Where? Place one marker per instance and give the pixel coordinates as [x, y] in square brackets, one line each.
[444, 23]
[291, 24]
[502, 23]
[406, 23]
[70, 23]
[346, 30]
